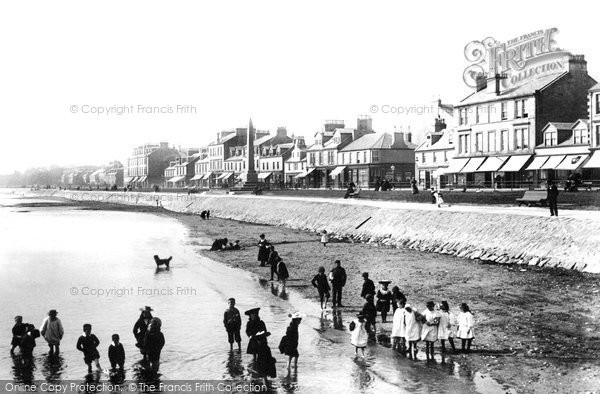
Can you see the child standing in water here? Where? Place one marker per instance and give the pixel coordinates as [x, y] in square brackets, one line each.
[18, 331]
[359, 335]
[88, 344]
[429, 332]
[320, 282]
[116, 353]
[465, 327]
[398, 329]
[445, 328]
[412, 330]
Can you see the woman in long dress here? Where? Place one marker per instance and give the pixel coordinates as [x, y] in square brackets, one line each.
[445, 328]
[429, 332]
[466, 325]
[412, 330]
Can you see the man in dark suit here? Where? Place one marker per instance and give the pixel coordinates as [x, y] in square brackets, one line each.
[338, 281]
[552, 197]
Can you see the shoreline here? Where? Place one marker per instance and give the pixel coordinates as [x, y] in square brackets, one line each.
[536, 326]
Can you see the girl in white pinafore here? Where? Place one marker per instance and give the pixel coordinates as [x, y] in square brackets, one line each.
[398, 329]
[412, 330]
[429, 332]
[465, 327]
[446, 326]
[359, 336]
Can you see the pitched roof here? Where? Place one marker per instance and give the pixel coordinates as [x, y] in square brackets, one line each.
[442, 143]
[376, 141]
[526, 89]
[595, 87]
[559, 125]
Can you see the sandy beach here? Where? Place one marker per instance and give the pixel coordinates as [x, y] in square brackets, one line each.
[536, 328]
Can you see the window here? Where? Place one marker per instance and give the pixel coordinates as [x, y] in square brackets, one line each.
[580, 136]
[479, 142]
[503, 111]
[463, 119]
[343, 158]
[445, 156]
[423, 158]
[504, 140]
[597, 95]
[550, 138]
[330, 157]
[364, 156]
[518, 109]
[375, 156]
[597, 142]
[463, 143]
[491, 141]
[477, 114]
[357, 157]
[434, 158]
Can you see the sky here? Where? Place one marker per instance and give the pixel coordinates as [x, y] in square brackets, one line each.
[210, 66]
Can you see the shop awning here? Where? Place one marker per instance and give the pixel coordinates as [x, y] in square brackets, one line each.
[537, 163]
[206, 176]
[197, 177]
[134, 179]
[225, 175]
[264, 175]
[552, 162]
[336, 171]
[515, 163]
[493, 163]
[142, 179]
[571, 162]
[128, 179]
[305, 173]
[176, 179]
[456, 165]
[594, 161]
[472, 165]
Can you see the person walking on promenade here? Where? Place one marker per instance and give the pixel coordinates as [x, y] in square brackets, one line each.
[413, 186]
[338, 281]
[52, 331]
[320, 282]
[359, 336]
[433, 195]
[445, 328]
[552, 197]
[116, 353]
[465, 327]
[397, 298]
[412, 330]
[141, 327]
[291, 340]
[154, 341]
[368, 286]
[429, 331]
[88, 344]
[369, 311]
[282, 272]
[254, 326]
[398, 329]
[263, 250]
[324, 238]
[384, 299]
[232, 320]
[19, 331]
[273, 260]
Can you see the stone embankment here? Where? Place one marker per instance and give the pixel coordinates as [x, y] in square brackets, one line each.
[501, 237]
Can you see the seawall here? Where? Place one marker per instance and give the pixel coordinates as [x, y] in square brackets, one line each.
[501, 237]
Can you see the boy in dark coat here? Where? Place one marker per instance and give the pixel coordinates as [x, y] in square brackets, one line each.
[368, 286]
[370, 313]
[88, 344]
[18, 331]
[233, 323]
[273, 260]
[320, 282]
[116, 353]
[338, 281]
[27, 344]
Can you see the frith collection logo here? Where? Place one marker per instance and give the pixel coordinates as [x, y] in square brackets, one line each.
[518, 60]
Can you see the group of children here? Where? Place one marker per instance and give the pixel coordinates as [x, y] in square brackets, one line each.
[409, 326]
[224, 244]
[267, 255]
[150, 342]
[256, 330]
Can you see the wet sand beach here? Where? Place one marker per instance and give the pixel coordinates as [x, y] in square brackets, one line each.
[536, 328]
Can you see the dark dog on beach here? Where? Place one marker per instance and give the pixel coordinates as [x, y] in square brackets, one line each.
[160, 261]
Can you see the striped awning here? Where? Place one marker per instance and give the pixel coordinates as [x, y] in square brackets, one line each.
[305, 173]
[197, 177]
[571, 162]
[472, 165]
[515, 163]
[537, 163]
[594, 161]
[264, 175]
[456, 165]
[337, 171]
[176, 179]
[492, 164]
[552, 162]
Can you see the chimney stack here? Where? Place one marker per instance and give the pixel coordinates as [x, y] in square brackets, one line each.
[480, 82]
[440, 124]
[397, 139]
[577, 63]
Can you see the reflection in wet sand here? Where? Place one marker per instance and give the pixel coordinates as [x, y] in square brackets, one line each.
[52, 368]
